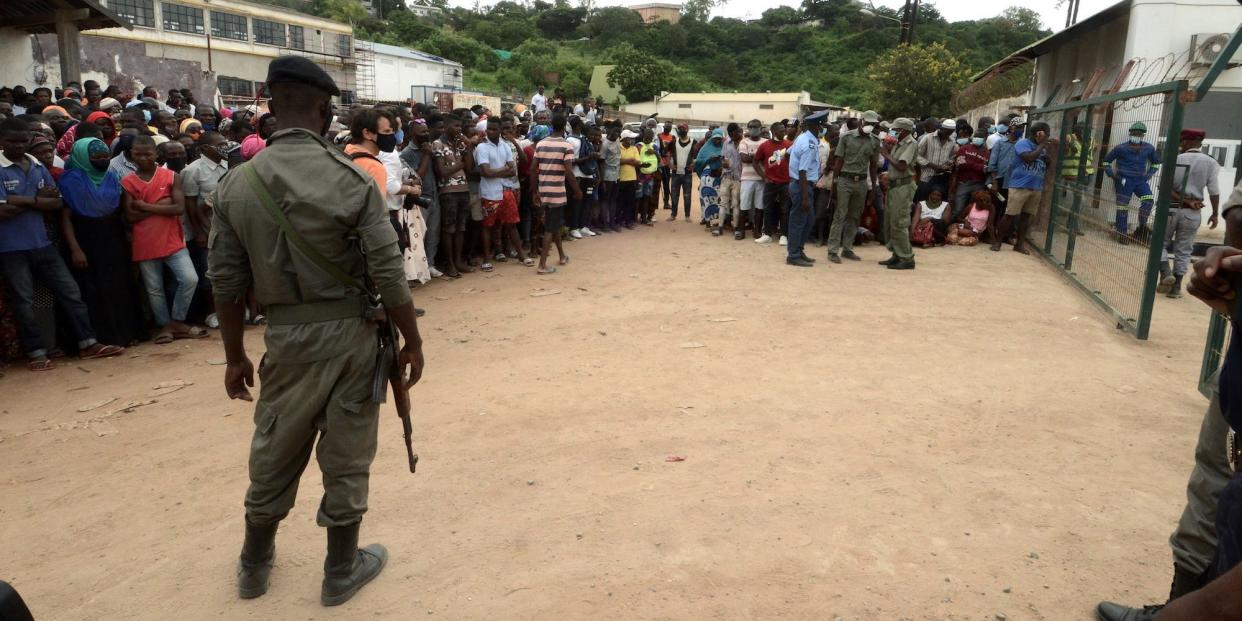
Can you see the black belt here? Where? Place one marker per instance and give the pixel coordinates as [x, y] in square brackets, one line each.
[854, 177]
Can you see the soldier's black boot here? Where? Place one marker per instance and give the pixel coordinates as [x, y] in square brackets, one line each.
[255, 565]
[348, 568]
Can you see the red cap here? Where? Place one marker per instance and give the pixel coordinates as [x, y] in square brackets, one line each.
[1193, 134]
[683, 127]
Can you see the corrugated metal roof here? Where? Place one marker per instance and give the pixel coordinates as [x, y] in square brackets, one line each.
[393, 50]
[774, 97]
[1051, 42]
[39, 16]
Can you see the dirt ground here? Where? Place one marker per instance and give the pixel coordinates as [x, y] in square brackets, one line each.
[967, 439]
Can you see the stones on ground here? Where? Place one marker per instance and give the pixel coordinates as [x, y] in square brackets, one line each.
[722, 319]
[171, 383]
[1034, 555]
[215, 362]
[1000, 616]
[544, 293]
[692, 345]
[98, 404]
[1008, 589]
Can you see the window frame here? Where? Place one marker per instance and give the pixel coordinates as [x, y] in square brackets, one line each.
[344, 45]
[202, 18]
[255, 29]
[301, 38]
[223, 80]
[121, 11]
[219, 33]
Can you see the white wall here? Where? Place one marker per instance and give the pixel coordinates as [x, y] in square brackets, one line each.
[394, 75]
[722, 111]
[1159, 27]
[17, 65]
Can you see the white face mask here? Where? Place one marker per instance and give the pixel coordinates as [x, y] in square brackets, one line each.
[883, 135]
[866, 129]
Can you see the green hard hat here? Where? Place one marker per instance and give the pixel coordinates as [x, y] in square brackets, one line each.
[1139, 127]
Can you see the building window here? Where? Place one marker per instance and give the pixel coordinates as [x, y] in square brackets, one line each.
[138, 12]
[344, 45]
[270, 33]
[181, 18]
[297, 39]
[234, 87]
[683, 105]
[228, 26]
[765, 106]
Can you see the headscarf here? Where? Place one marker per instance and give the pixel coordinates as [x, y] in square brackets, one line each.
[185, 125]
[538, 132]
[109, 102]
[80, 158]
[96, 115]
[708, 151]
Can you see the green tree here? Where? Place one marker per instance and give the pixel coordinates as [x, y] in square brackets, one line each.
[915, 80]
[700, 10]
[409, 29]
[638, 75]
[560, 22]
[347, 11]
[611, 25]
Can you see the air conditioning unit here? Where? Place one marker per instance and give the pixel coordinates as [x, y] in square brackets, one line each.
[1206, 48]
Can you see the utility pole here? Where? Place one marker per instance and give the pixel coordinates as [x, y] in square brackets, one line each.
[911, 17]
[1071, 13]
[905, 23]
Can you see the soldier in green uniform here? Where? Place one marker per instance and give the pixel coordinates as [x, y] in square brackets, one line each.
[322, 344]
[901, 189]
[856, 167]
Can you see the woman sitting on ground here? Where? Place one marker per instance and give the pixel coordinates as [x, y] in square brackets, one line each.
[973, 223]
[932, 225]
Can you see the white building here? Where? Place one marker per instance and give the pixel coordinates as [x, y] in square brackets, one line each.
[732, 107]
[402, 74]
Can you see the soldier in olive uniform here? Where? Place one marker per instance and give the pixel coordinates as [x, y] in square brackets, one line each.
[321, 345]
[901, 189]
[856, 168]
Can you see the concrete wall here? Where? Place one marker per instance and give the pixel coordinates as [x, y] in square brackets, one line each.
[111, 61]
[996, 109]
[721, 111]
[1159, 28]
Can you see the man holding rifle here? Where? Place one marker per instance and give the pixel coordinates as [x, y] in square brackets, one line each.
[306, 228]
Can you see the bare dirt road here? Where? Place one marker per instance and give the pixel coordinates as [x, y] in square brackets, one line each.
[967, 439]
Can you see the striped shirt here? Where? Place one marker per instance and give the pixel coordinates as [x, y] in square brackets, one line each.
[552, 154]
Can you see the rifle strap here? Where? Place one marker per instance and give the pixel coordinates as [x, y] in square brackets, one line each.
[282, 221]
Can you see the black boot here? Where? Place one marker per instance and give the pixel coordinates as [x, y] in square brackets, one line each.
[902, 264]
[1175, 291]
[889, 261]
[255, 565]
[347, 568]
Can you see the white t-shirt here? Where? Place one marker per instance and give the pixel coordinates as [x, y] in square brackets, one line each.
[748, 146]
[928, 212]
[393, 165]
[993, 139]
[577, 142]
[539, 102]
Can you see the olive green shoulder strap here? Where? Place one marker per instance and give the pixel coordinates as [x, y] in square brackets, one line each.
[269, 203]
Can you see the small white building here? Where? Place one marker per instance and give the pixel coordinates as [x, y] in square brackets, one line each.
[732, 107]
[402, 74]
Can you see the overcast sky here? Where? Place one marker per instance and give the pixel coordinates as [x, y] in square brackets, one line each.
[953, 10]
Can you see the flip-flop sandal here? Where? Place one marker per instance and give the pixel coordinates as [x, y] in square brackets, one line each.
[163, 338]
[104, 351]
[41, 365]
[564, 261]
[546, 271]
[528, 262]
[192, 333]
[500, 257]
[487, 267]
[54, 354]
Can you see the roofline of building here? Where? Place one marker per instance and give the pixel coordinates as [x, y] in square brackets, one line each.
[655, 5]
[1050, 42]
[408, 53]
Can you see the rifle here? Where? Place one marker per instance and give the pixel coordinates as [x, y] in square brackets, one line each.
[388, 369]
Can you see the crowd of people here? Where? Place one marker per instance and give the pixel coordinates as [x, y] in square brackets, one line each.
[106, 215]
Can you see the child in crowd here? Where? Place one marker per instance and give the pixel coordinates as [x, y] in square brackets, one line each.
[153, 202]
[977, 218]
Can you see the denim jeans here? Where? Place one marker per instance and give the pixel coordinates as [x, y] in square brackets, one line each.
[799, 220]
[20, 269]
[679, 187]
[153, 279]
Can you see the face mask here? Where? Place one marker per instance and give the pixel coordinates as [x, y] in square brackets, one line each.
[386, 142]
[175, 164]
[1135, 140]
[866, 129]
[962, 141]
[755, 131]
[100, 164]
[1017, 133]
[884, 135]
[1002, 129]
[209, 127]
[146, 115]
[978, 142]
[400, 136]
[992, 130]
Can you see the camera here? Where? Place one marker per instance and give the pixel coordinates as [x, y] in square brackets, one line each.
[421, 201]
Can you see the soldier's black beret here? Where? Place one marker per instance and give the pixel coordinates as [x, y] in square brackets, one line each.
[300, 70]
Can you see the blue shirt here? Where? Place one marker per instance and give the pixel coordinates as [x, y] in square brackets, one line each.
[1001, 161]
[412, 157]
[494, 156]
[24, 231]
[1026, 175]
[804, 157]
[1131, 162]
